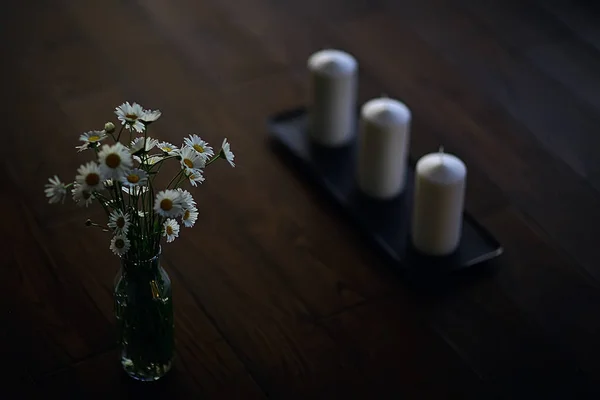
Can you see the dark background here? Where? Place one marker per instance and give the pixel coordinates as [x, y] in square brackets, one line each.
[275, 295]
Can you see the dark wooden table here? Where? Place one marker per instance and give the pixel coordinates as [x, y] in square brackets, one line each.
[275, 295]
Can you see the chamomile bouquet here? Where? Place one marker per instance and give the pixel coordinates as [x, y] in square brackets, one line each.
[121, 178]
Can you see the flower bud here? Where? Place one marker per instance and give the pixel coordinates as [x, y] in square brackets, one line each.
[109, 127]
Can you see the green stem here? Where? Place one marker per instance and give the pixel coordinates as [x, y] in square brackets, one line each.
[145, 140]
[180, 180]
[119, 135]
[159, 163]
[106, 210]
[212, 160]
[175, 177]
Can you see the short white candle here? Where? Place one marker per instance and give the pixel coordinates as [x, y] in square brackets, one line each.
[383, 147]
[440, 181]
[333, 91]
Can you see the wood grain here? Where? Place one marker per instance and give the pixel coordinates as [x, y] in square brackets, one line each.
[275, 295]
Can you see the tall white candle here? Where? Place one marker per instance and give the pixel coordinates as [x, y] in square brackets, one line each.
[333, 91]
[384, 141]
[440, 181]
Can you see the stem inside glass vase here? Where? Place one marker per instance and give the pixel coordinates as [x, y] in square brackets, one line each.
[144, 315]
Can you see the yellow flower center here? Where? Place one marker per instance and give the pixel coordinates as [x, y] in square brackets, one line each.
[198, 148]
[119, 243]
[169, 230]
[167, 149]
[113, 160]
[131, 116]
[188, 163]
[166, 204]
[92, 179]
[121, 222]
[186, 215]
[133, 178]
[93, 138]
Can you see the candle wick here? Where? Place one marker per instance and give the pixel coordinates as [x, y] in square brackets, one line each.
[384, 95]
[441, 154]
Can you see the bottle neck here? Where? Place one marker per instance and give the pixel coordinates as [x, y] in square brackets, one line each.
[135, 266]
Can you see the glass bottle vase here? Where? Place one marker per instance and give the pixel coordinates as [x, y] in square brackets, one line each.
[144, 316]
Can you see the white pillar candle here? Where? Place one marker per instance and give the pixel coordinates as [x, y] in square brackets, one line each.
[440, 181]
[383, 147]
[333, 91]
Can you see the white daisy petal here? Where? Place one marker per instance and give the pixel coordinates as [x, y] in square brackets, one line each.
[130, 116]
[189, 217]
[169, 203]
[91, 139]
[226, 152]
[150, 116]
[93, 136]
[89, 177]
[56, 191]
[142, 145]
[195, 176]
[168, 148]
[191, 159]
[82, 196]
[153, 160]
[135, 177]
[195, 142]
[114, 160]
[170, 230]
[120, 245]
[119, 222]
[187, 200]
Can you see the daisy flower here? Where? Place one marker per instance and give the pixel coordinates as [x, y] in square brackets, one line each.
[226, 152]
[135, 177]
[130, 116]
[191, 159]
[120, 245]
[169, 203]
[195, 176]
[115, 161]
[170, 230]
[82, 196]
[137, 145]
[89, 177]
[91, 140]
[168, 148]
[56, 191]
[187, 201]
[150, 116]
[119, 222]
[196, 143]
[189, 217]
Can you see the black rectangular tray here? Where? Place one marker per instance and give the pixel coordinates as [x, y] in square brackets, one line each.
[385, 222]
